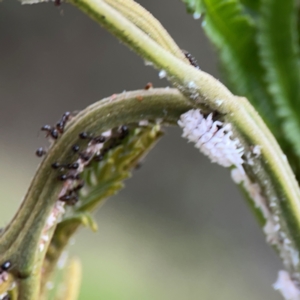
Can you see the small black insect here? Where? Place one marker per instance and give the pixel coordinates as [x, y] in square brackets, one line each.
[73, 166]
[60, 126]
[6, 266]
[54, 133]
[191, 59]
[84, 156]
[69, 198]
[47, 128]
[75, 148]
[124, 131]
[99, 139]
[56, 165]
[57, 2]
[40, 152]
[79, 186]
[50, 131]
[84, 135]
[65, 177]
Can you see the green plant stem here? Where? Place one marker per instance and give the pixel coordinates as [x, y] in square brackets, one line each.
[20, 241]
[201, 88]
[72, 279]
[144, 20]
[102, 180]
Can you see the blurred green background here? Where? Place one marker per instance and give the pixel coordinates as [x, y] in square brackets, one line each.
[180, 229]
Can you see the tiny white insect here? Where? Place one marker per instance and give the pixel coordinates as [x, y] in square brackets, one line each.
[162, 74]
[286, 286]
[213, 138]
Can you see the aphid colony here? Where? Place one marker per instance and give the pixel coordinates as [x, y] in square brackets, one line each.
[95, 150]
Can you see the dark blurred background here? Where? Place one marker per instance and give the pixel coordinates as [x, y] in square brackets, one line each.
[180, 229]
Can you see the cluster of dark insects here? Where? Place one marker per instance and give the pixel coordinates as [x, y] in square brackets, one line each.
[95, 150]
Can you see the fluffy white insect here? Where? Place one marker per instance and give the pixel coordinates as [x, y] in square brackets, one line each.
[213, 138]
[2, 296]
[162, 74]
[257, 150]
[286, 286]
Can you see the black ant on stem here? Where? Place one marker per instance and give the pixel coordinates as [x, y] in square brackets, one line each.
[59, 128]
[111, 139]
[72, 166]
[71, 196]
[95, 140]
[54, 132]
[50, 131]
[191, 59]
[5, 266]
[40, 152]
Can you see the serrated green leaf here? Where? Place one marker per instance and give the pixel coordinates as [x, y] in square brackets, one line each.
[232, 27]
[84, 218]
[233, 32]
[279, 50]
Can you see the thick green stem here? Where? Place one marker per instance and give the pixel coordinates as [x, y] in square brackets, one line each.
[102, 180]
[202, 88]
[70, 287]
[21, 239]
[144, 20]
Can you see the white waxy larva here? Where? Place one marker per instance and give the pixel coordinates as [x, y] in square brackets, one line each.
[286, 286]
[213, 138]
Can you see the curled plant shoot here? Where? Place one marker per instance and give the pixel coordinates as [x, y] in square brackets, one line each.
[92, 151]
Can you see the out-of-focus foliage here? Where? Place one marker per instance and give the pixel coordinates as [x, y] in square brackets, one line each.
[279, 50]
